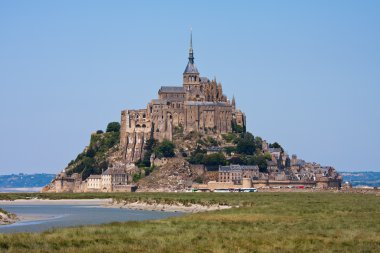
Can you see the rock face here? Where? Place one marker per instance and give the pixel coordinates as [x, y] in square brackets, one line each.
[176, 175]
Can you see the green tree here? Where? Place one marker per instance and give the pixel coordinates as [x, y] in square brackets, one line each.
[165, 149]
[113, 127]
[136, 177]
[276, 145]
[258, 143]
[215, 159]
[246, 144]
[197, 156]
[238, 159]
[260, 160]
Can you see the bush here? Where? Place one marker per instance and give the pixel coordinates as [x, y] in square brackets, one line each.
[246, 144]
[215, 159]
[113, 127]
[165, 149]
[229, 137]
[197, 157]
[237, 128]
[99, 132]
[230, 150]
[136, 177]
[237, 160]
[211, 141]
[276, 145]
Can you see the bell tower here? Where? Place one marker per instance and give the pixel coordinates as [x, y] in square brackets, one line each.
[191, 75]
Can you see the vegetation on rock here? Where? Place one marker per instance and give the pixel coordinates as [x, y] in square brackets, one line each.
[241, 148]
[93, 160]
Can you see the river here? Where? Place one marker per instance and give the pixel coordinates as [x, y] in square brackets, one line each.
[41, 217]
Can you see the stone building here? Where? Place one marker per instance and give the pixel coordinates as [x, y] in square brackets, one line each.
[236, 173]
[114, 179]
[94, 183]
[197, 105]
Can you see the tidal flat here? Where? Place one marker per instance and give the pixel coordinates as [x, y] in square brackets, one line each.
[257, 222]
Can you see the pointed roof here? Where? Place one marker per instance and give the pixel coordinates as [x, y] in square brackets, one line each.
[191, 68]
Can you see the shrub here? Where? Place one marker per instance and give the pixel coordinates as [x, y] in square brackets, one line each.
[113, 127]
[229, 137]
[165, 149]
[276, 145]
[215, 159]
[246, 144]
[136, 177]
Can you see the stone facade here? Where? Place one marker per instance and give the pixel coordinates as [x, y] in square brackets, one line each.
[198, 105]
[236, 173]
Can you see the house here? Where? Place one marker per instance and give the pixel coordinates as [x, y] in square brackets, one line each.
[235, 173]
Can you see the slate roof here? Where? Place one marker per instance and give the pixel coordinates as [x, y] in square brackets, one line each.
[206, 103]
[191, 68]
[172, 89]
[238, 167]
[113, 171]
[204, 79]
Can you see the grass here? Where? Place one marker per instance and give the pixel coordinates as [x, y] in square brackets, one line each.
[265, 222]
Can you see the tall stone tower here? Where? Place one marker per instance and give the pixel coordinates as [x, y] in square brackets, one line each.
[191, 79]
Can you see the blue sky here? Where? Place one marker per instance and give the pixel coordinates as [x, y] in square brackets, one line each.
[306, 73]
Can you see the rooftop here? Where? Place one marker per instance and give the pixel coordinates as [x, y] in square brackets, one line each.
[171, 89]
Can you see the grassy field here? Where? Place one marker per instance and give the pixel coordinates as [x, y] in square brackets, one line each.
[265, 222]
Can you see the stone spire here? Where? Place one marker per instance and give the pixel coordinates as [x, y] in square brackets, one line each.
[191, 68]
[233, 102]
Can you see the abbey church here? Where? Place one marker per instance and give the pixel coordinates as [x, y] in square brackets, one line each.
[197, 105]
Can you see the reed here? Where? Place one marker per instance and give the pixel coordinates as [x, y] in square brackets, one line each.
[264, 222]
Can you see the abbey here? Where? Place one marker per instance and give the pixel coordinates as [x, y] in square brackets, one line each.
[198, 105]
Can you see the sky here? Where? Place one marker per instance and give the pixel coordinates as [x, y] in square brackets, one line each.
[306, 73]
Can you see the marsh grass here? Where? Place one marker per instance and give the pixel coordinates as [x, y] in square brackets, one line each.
[264, 222]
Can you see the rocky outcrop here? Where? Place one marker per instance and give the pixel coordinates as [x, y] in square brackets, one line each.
[176, 175]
